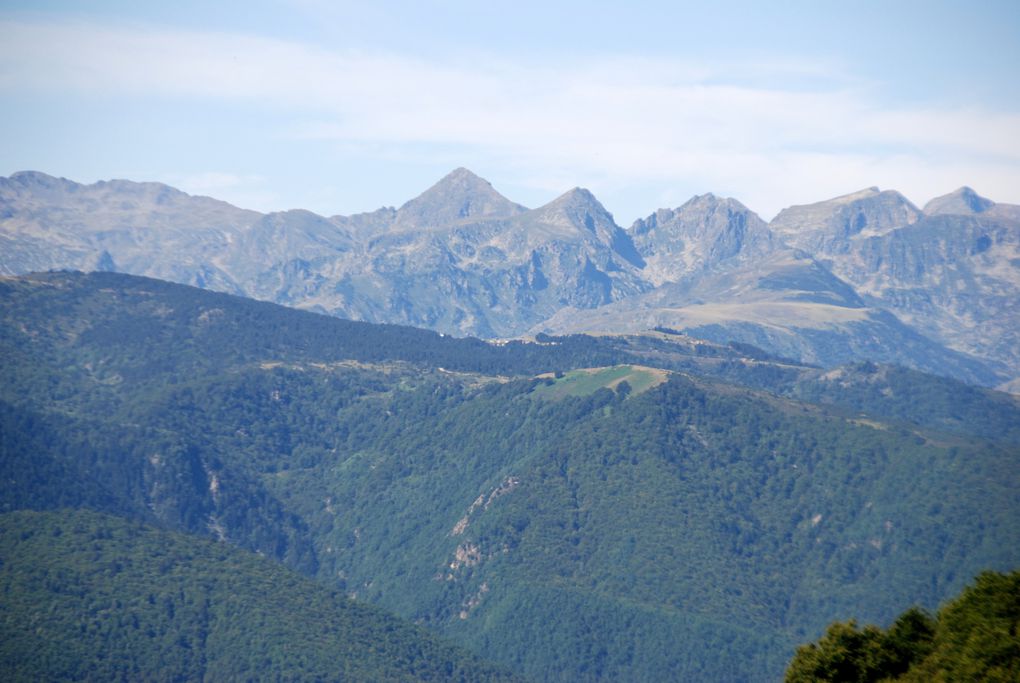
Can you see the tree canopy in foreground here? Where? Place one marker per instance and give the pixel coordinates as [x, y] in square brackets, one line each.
[974, 637]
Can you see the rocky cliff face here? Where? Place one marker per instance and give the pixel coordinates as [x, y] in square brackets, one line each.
[862, 276]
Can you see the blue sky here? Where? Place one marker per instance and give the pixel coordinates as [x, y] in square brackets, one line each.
[342, 107]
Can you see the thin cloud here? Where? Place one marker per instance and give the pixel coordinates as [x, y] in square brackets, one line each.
[616, 122]
[251, 191]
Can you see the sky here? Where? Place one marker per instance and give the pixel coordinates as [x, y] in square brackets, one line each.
[343, 107]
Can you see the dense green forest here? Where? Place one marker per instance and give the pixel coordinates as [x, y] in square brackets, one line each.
[973, 637]
[627, 524]
[88, 596]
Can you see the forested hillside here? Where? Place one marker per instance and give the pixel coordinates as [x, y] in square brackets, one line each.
[630, 523]
[87, 596]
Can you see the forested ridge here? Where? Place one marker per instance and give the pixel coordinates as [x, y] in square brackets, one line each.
[572, 526]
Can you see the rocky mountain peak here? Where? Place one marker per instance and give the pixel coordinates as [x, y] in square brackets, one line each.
[577, 216]
[37, 184]
[963, 201]
[576, 197]
[866, 193]
[698, 215]
[34, 178]
[703, 233]
[459, 196]
[707, 199]
[579, 207]
[825, 227]
[709, 202]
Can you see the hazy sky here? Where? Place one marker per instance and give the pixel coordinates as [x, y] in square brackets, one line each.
[342, 107]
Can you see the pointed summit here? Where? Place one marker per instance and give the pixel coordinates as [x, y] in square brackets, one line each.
[577, 214]
[577, 207]
[460, 195]
[963, 201]
[577, 196]
[461, 178]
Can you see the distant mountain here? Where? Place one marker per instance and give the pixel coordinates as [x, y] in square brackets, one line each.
[858, 277]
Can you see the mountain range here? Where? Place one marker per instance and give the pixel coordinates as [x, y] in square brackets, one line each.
[865, 276]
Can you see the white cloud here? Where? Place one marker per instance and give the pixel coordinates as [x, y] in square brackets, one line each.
[614, 122]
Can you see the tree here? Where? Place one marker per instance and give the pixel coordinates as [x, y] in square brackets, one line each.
[975, 637]
[844, 653]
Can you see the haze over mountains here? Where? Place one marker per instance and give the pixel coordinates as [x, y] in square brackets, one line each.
[863, 276]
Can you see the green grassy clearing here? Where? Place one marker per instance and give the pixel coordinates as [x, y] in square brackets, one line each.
[589, 380]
